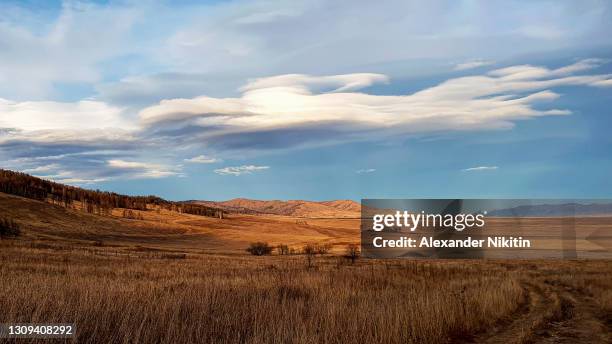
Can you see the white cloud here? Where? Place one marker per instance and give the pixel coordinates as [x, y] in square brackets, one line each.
[582, 65]
[64, 156]
[480, 168]
[129, 164]
[144, 90]
[527, 72]
[190, 61]
[267, 38]
[202, 159]
[64, 177]
[135, 41]
[68, 49]
[144, 169]
[367, 170]
[42, 168]
[277, 112]
[239, 170]
[473, 64]
[50, 115]
[83, 138]
[603, 83]
[71, 168]
[337, 83]
[491, 101]
[58, 174]
[83, 122]
[90, 167]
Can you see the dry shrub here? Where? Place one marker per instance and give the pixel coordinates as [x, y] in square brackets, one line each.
[310, 250]
[173, 256]
[283, 250]
[352, 252]
[129, 214]
[323, 248]
[9, 228]
[259, 248]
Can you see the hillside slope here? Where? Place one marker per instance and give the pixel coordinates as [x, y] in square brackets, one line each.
[164, 229]
[296, 208]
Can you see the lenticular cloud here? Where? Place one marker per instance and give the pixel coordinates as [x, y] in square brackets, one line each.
[490, 101]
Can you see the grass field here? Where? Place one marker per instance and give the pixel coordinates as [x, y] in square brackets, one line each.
[176, 278]
[153, 296]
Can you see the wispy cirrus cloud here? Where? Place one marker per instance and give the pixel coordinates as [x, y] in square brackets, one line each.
[42, 54]
[42, 168]
[480, 168]
[145, 169]
[91, 167]
[229, 40]
[366, 170]
[69, 177]
[473, 64]
[63, 173]
[240, 170]
[202, 159]
[603, 83]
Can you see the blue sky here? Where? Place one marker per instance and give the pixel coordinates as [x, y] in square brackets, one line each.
[310, 99]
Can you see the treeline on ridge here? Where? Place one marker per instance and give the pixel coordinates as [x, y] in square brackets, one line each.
[92, 201]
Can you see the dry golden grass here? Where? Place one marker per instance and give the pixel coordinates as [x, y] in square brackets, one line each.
[152, 297]
[176, 278]
[244, 299]
[46, 222]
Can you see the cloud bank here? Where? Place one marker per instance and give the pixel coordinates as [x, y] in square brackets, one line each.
[96, 141]
[269, 109]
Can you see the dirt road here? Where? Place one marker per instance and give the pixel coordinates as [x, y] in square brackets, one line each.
[553, 312]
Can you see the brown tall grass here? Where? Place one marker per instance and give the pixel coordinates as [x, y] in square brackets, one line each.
[179, 278]
[243, 299]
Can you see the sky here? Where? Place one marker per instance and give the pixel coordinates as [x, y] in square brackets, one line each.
[310, 99]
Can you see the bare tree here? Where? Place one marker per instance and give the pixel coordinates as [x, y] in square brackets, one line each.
[310, 250]
[91, 201]
[352, 252]
[323, 248]
[282, 249]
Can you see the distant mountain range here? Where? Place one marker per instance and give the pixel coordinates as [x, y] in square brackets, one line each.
[549, 210]
[352, 209]
[299, 208]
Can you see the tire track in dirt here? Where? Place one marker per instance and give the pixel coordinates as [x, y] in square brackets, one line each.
[581, 320]
[527, 316]
[552, 313]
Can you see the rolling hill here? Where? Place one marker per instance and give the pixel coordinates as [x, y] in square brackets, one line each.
[295, 208]
[65, 215]
[161, 228]
[548, 210]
